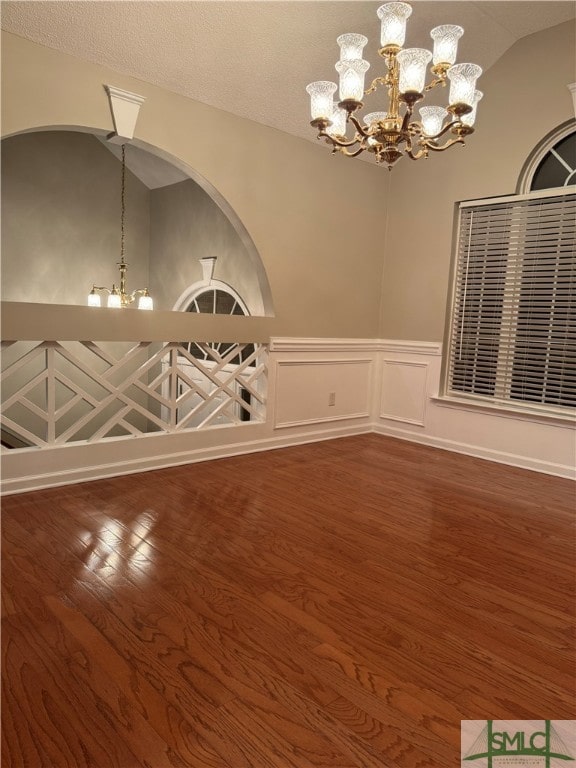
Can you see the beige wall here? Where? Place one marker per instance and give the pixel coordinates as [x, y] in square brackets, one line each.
[525, 97]
[336, 266]
[321, 248]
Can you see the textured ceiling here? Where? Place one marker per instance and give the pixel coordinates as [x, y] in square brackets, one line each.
[254, 59]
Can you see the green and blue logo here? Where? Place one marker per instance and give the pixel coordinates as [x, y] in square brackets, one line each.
[520, 743]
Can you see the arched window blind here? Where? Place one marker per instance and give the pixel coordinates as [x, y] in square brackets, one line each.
[512, 334]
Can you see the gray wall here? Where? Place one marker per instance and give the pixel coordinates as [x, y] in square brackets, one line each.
[61, 226]
[61, 218]
[187, 225]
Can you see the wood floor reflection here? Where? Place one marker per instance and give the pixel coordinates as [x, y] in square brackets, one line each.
[343, 604]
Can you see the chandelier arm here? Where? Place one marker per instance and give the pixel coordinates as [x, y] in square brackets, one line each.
[352, 154]
[449, 143]
[438, 81]
[336, 142]
[101, 288]
[375, 83]
[361, 130]
[417, 155]
[407, 126]
[444, 130]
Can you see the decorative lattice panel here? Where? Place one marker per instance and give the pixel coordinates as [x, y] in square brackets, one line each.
[60, 392]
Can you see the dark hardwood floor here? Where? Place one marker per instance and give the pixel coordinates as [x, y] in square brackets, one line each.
[344, 604]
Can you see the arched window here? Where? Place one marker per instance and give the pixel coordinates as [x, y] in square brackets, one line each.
[552, 163]
[218, 301]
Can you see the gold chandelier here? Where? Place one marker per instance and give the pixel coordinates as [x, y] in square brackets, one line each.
[119, 297]
[393, 133]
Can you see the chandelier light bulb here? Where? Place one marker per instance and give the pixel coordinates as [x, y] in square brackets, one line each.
[432, 119]
[463, 83]
[352, 79]
[114, 300]
[470, 118]
[321, 93]
[351, 46]
[93, 298]
[413, 63]
[145, 301]
[446, 43]
[393, 17]
[338, 127]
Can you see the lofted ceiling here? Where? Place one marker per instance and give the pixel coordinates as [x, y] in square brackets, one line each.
[254, 59]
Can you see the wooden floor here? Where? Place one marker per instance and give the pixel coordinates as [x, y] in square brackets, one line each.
[343, 604]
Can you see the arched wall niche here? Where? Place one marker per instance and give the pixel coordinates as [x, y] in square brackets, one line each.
[61, 214]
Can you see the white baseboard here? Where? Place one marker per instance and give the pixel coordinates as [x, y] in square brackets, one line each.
[130, 467]
[500, 457]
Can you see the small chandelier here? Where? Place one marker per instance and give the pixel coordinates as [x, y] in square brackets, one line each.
[119, 297]
[390, 134]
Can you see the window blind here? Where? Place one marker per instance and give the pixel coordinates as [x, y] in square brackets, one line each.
[512, 333]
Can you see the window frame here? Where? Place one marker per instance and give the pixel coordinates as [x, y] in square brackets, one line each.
[449, 396]
[543, 148]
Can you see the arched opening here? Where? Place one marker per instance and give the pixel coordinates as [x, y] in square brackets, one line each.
[61, 213]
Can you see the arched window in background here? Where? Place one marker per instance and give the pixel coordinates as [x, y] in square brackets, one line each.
[552, 162]
[213, 297]
[218, 301]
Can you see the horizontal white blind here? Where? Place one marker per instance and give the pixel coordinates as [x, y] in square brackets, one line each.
[513, 323]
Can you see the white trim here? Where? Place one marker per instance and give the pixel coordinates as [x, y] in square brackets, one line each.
[512, 198]
[572, 88]
[125, 107]
[287, 344]
[326, 361]
[321, 420]
[418, 422]
[115, 469]
[411, 347]
[118, 93]
[133, 466]
[500, 457]
[365, 361]
[506, 411]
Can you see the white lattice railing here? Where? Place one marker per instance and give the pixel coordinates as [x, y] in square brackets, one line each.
[61, 392]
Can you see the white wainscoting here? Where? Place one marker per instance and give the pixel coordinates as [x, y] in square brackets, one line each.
[410, 383]
[404, 391]
[383, 386]
[302, 374]
[316, 391]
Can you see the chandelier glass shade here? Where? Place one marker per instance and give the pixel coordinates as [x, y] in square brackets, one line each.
[395, 130]
[119, 297]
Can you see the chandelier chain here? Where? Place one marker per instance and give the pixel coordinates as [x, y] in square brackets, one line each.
[120, 297]
[122, 203]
